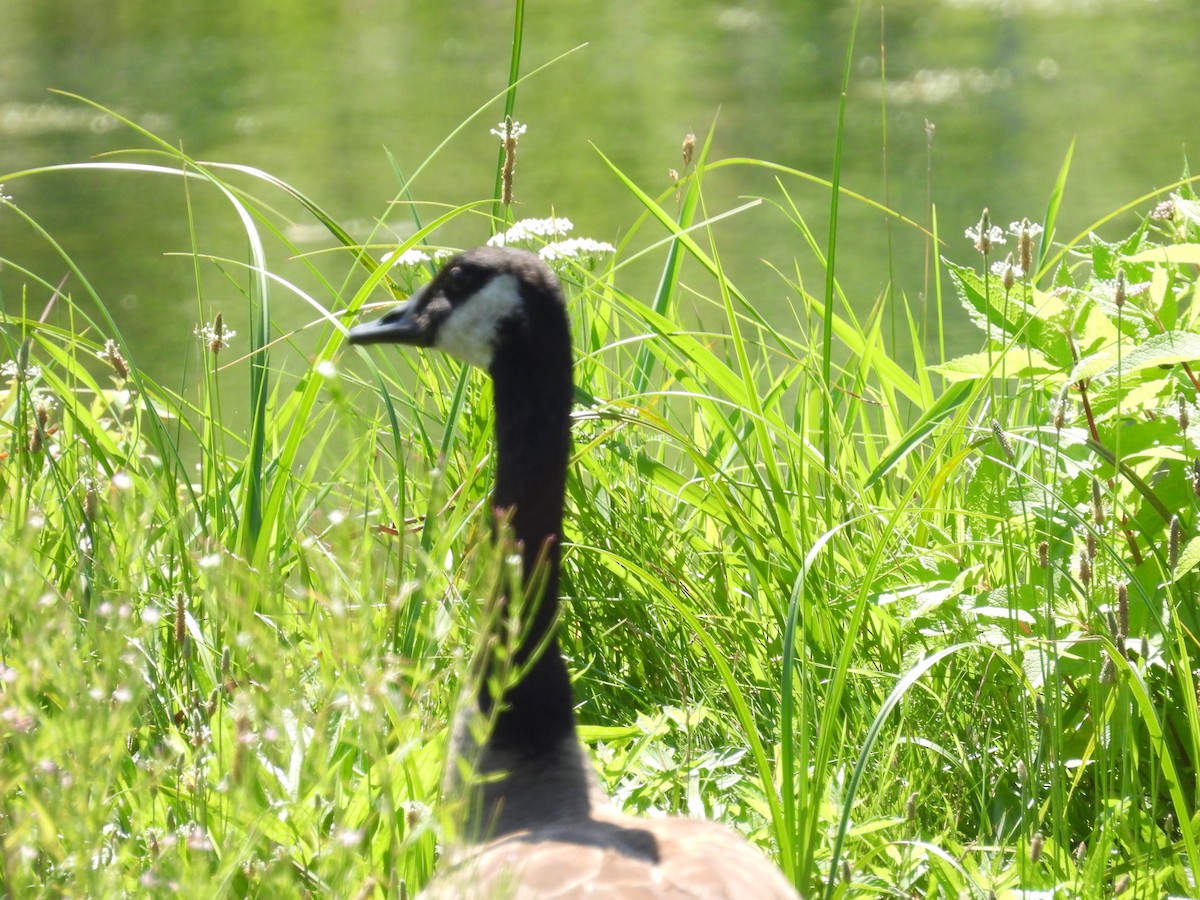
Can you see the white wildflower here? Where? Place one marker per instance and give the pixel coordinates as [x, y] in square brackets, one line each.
[1016, 229]
[531, 229]
[215, 335]
[574, 247]
[410, 257]
[509, 130]
[1000, 267]
[985, 237]
[11, 370]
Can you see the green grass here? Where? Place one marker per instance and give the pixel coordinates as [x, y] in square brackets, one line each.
[868, 613]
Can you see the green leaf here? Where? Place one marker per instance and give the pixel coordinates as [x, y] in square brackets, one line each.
[1188, 557]
[1016, 362]
[1021, 315]
[945, 405]
[1185, 254]
[1167, 349]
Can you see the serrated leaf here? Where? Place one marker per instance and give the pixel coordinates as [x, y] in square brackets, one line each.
[1015, 363]
[1188, 254]
[1166, 349]
[1091, 366]
[1188, 557]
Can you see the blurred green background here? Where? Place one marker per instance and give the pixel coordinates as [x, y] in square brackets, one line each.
[319, 94]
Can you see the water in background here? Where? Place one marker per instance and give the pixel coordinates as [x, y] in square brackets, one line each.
[983, 98]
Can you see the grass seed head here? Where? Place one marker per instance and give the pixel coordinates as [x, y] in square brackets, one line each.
[1035, 847]
[1085, 570]
[1002, 438]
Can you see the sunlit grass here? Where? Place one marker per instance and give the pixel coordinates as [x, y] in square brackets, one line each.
[915, 632]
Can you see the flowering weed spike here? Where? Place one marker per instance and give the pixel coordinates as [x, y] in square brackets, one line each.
[985, 235]
[1059, 412]
[508, 131]
[1098, 512]
[1008, 271]
[1025, 231]
[215, 336]
[111, 354]
[1003, 440]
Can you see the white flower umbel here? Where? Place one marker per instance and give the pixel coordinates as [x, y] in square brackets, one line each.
[573, 248]
[528, 230]
[410, 257]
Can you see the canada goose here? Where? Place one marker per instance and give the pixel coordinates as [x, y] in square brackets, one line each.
[540, 826]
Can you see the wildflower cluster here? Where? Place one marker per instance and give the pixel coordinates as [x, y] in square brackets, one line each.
[530, 231]
[412, 257]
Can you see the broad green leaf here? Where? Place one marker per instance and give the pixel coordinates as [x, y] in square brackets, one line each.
[1167, 349]
[1091, 366]
[1016, 362]
[1187, 254]
[1188, 557]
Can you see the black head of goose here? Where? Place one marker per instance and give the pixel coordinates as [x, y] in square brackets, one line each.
[538, 825]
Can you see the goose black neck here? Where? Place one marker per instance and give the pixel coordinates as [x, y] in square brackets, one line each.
[533, 390]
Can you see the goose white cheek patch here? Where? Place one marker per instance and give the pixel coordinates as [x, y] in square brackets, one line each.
[469, 333]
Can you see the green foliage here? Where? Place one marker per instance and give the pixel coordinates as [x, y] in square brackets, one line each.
[913, 633]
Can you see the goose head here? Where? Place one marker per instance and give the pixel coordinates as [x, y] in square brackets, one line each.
[484, 304]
